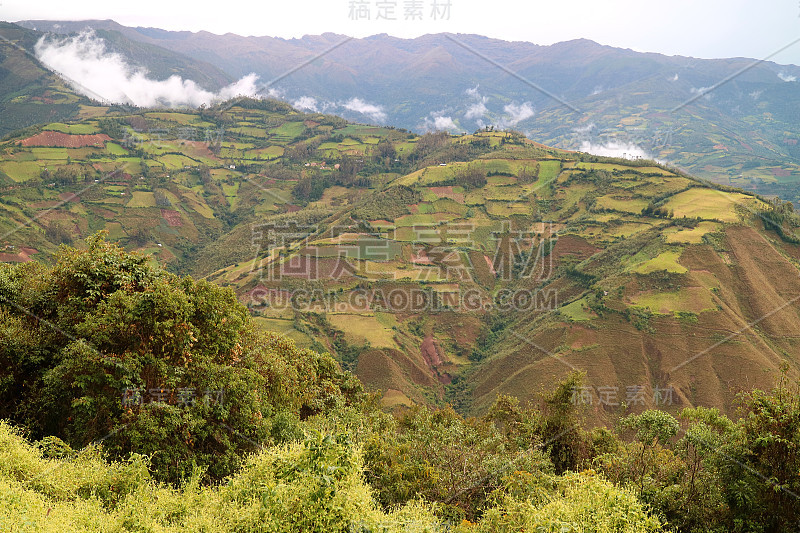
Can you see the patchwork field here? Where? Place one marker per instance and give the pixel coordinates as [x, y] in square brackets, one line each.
[409, 266]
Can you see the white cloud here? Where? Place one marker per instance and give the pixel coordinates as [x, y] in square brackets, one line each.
[786, 77]
[444, 123]
[375, 112]
[755, 95]
[473, 92]
[438, 121]
[99, 74]
[703, 91]
[308, 103]
[614, 149]
[516, 113]
[476, 111]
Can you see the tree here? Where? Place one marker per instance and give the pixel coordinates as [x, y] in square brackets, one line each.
[471, 177]
[121, 351]
[56, 233]
[653, 427]
[385, 152]
[760, 465]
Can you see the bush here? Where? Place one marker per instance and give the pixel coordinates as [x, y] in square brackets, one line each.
[309, 486]
[582, 502]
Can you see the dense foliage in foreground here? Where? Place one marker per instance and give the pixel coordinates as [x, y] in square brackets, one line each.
[293, 444]
[313, 485]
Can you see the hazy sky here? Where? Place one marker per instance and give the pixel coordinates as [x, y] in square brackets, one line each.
[699, 28]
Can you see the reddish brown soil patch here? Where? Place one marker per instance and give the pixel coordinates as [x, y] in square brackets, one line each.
[781, 172]
[172, 217]
[261, 294]
[104, 213]
[46, 204]
[312, 268]
[432, 355]
[69, 197]
[573, 245]
[447, 192]
[421, 257]
[23, 255]
[138, 123]
[490, 265]
[199, 148]
[55, 215]
[387, 368]
[56, 139]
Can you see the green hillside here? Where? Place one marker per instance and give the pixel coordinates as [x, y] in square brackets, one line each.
[29, 92]
[440, 269]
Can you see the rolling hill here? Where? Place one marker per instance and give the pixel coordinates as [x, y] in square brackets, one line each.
[439, 268]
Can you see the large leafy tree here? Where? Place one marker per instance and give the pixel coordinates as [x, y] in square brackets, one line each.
[106, 346]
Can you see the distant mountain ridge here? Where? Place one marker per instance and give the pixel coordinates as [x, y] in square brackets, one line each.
[735, 121]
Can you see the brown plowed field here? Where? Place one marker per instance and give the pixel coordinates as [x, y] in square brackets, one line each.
[57, 139]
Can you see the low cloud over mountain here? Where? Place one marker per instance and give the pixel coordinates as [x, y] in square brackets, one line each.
[97, 73]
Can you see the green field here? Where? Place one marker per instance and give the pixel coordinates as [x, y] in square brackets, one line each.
[75, 129]
[49, 153]
[173, 161]
[692, 235]
[179, 118]
[141, 199]
[362, 329]
[622, 204]
[549, 170]
[115, 149]
[287, 131]
[577, 311]
[711, 204]
[692, 300]
[664, 261]
[20, 171]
